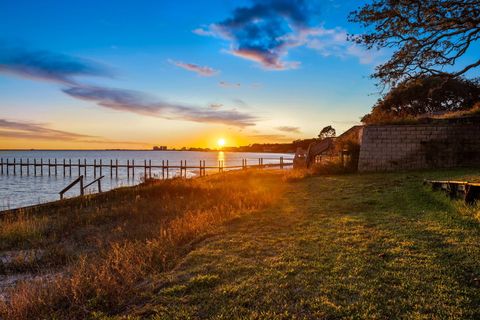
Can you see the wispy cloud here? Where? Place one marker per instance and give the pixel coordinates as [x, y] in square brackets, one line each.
[225, 84]
[268, 29]
[269, 138]
[289, 129]
[140, 103]
[40, 131]
[28, 130]
[47, 66]
[239, 102]
[42, 65]
[200, 70]
[334, 42]
[203, 32]
[216, 106]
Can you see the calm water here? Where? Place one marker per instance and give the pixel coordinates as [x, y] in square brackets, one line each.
[18, 191]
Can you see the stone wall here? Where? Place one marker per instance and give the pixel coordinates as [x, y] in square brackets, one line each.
[441, 144]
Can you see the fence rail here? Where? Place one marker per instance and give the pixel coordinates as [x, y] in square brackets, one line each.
[67, 167]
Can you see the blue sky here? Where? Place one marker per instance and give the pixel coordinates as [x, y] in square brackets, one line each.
[137, 73]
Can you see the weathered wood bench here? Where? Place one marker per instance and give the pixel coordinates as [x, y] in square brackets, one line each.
[470, 192]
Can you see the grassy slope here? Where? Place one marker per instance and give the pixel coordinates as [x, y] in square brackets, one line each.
[355, 246]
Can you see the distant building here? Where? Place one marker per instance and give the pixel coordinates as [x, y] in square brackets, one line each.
[160, 148]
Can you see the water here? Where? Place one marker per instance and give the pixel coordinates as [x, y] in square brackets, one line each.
[19, 191]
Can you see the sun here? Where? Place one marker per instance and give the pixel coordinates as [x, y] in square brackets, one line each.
[221, 142]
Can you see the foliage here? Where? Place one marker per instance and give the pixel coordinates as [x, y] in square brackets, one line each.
[327, 132]
[425, 96]
[427, 36]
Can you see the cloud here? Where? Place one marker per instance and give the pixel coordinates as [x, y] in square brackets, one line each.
[28, 130]
[271, 138]
[268, 29]
[262, 31]
[47, 66]
[38, 131]
[203, 32]
[216, 106]
[239, 102]
[201, 70]
[334, 42]
[289, 129]
[140, 103]
[225, 84]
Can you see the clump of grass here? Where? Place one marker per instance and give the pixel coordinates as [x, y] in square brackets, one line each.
[21, 229]
[124, 238]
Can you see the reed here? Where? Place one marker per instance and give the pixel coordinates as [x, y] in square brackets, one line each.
[111, 244]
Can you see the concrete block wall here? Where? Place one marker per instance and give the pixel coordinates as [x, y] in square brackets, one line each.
[419, 146]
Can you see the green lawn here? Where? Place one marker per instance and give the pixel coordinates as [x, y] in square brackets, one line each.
[367, 246]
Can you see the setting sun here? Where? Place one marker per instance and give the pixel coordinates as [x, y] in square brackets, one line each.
[221, 142]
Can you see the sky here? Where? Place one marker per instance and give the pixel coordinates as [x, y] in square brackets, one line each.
[133, 74]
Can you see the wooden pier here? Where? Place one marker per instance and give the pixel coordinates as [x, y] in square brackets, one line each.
[78, 167]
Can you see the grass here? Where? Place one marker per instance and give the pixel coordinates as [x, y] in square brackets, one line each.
[260, 245]
[102, 248]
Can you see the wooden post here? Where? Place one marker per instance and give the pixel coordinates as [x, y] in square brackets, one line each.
[28, 166]
[14, 167]
[185, 169]
[70, 167]
[133, 168]
[55, 167]
[116, 168]
[85, 167]
[163, 169]
[41, 167]
[145, 169]
[281, 162]
[99, 185]
[2, 166]
[100, 167]
[21, 163]
[7, 167]
[81, 186]
[150, 168]
[34, 166]
[167, 169]
[63, 167]
[94, 168]
[111, 168]
[79, 167]
[128, 169]
[472, 194]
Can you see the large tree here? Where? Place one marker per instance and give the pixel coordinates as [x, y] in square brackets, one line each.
[426, 95]
[428, 37]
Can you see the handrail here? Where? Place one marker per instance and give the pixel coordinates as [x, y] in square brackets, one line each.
[96, 180]
[74, 182]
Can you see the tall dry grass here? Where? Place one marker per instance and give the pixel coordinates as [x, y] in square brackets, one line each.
[122, 239]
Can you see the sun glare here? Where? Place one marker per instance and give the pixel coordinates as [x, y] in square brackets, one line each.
[221, 142]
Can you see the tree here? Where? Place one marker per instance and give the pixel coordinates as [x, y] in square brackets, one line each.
[327, 132]
[425, 95]
[428, 36]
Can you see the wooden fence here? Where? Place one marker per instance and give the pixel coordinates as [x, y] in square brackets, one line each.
[39, 167]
